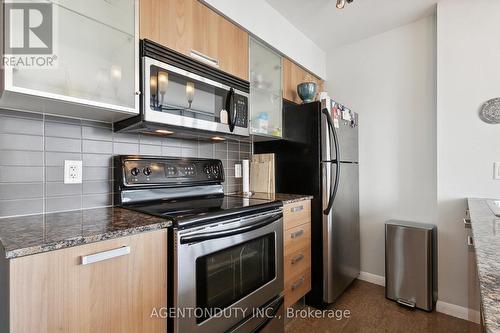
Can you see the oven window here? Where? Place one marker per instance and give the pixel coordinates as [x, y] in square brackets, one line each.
[224, 277]
[179, 95]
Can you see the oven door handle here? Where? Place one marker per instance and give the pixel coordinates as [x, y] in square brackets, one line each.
[205, 236]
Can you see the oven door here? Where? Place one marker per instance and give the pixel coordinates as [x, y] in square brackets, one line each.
[234, 267]
[179, 98]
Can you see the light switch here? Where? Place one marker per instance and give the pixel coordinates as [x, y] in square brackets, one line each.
[237, 171]
[496, 168]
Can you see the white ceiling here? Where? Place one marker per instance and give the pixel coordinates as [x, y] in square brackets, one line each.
[330, 27]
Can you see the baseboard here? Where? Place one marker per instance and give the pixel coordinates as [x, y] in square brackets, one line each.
[458, 311]
[372, 278]
[442, 307]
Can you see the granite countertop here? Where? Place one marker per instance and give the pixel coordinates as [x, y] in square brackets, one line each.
[25, 235]
[486, 235]
[285, 198]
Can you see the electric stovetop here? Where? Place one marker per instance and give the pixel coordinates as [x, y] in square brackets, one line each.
[193, 211]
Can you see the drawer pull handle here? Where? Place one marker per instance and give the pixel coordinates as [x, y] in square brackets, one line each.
[206, 59]
[298, 283]
[297, 209]
[297, 233]
[470, 241]
[297, 258]
[101, 256]
[467, 223]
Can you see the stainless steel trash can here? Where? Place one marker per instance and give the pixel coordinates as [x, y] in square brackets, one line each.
[411, 264]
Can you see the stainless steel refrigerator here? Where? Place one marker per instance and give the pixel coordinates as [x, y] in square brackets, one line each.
[318, 155]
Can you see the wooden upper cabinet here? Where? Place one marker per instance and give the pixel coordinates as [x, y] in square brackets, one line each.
[58, 291]
[168, 22]
[190, 27]
[233, 49]
[293, 74]
[205, 36]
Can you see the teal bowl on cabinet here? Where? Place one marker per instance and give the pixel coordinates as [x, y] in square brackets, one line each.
[307, 91]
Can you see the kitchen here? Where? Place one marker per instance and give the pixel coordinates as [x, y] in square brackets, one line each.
[188, 166]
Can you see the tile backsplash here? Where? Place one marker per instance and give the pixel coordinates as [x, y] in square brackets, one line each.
[33, 148]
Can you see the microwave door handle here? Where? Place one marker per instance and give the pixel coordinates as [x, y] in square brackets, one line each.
[334, 188]
[231, 112]
[205, 236]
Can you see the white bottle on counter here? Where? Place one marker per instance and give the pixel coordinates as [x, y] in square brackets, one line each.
[246, 176]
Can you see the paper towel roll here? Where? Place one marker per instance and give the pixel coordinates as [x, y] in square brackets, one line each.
[246, 176]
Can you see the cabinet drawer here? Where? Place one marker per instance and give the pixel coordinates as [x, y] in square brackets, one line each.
[296, 213]
[296, 287]
[297, 261]
[297, 238]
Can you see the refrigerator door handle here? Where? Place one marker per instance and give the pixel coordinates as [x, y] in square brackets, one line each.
[334, 188]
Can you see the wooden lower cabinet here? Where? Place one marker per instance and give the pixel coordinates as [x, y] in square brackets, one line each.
[296, 213]
[296, 287]
[54, 292]
[297, 250]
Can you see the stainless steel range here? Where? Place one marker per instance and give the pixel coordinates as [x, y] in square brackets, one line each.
[226, 271]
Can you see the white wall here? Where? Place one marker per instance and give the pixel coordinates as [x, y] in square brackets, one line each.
[468, 60]
[390, 81]
[265, 22]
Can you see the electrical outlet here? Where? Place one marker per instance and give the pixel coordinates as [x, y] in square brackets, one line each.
[237, 171]
[496, 168]
[72, 172]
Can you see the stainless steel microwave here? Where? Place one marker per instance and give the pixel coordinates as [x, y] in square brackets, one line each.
[182, 95]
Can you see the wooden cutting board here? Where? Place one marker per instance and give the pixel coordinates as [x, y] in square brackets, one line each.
[262, 173]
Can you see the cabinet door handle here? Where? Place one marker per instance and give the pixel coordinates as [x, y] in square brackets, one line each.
[298, 283]
[297, 209]
[297, 233]
[101, 256]
[297, 258]
[203, 57]
[470, 241]
[467, 223]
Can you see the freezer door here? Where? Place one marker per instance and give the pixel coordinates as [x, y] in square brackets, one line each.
[339, 140]
[347, 141]
[341, 252]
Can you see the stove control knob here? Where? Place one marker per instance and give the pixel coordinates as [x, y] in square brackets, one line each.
[207, 169]
[135, 171]
[147, 171]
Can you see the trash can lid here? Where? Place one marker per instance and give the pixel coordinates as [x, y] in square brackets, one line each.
[410, 224]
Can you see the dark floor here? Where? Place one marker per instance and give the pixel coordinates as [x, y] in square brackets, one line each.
[372, 312]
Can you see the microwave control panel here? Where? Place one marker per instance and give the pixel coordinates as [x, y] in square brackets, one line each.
[241, 108]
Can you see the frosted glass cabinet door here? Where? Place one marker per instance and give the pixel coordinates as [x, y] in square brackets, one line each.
[96, 48]
[265, 91]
